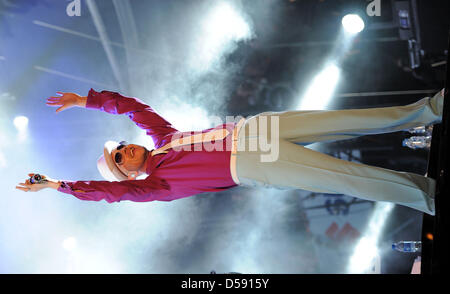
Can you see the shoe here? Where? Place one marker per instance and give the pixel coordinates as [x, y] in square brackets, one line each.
[437, 102]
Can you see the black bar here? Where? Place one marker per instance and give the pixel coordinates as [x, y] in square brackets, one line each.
[435, 252]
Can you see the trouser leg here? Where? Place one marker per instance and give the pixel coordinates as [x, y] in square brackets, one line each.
[302, 168]
[329, 125]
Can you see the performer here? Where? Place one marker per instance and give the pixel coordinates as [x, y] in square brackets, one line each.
[177, 168]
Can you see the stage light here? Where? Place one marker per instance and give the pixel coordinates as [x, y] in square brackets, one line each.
[321, 89]
[366, 250]
[225, 21]
[70, 243]
[220, 29]
[352, 23]
[21, 122]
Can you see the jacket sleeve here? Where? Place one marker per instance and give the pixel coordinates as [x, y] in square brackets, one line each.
[140, 113]
[133, 190]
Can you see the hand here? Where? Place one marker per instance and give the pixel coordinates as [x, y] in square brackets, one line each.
[28, 187]
[66, 100]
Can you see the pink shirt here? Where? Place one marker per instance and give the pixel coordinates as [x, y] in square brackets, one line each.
[176, 174]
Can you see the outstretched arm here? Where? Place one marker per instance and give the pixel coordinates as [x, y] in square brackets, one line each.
[149, 189]
[112, 102]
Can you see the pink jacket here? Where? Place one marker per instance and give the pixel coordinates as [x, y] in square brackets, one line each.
[172, 175]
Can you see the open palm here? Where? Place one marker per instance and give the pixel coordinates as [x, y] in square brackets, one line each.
[65, 101]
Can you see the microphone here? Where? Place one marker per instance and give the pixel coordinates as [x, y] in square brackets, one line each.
[37, 179]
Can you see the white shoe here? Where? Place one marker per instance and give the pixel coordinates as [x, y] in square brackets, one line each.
[437, 102]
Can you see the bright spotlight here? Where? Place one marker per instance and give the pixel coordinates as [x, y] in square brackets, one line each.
[70, 243]
[321, 89]
[352, 23]
[366, 250]
[220, 29]
[226, 22]
[21, 122]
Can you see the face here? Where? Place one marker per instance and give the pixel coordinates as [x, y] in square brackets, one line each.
[129, 157]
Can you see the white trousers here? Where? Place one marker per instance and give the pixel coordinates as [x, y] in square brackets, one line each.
[299, 167]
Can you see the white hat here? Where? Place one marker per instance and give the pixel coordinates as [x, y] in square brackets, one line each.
[106, 165]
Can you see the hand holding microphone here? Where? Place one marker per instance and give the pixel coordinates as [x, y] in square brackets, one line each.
[35, 183]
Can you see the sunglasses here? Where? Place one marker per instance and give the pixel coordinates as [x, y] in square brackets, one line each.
[118, 156]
